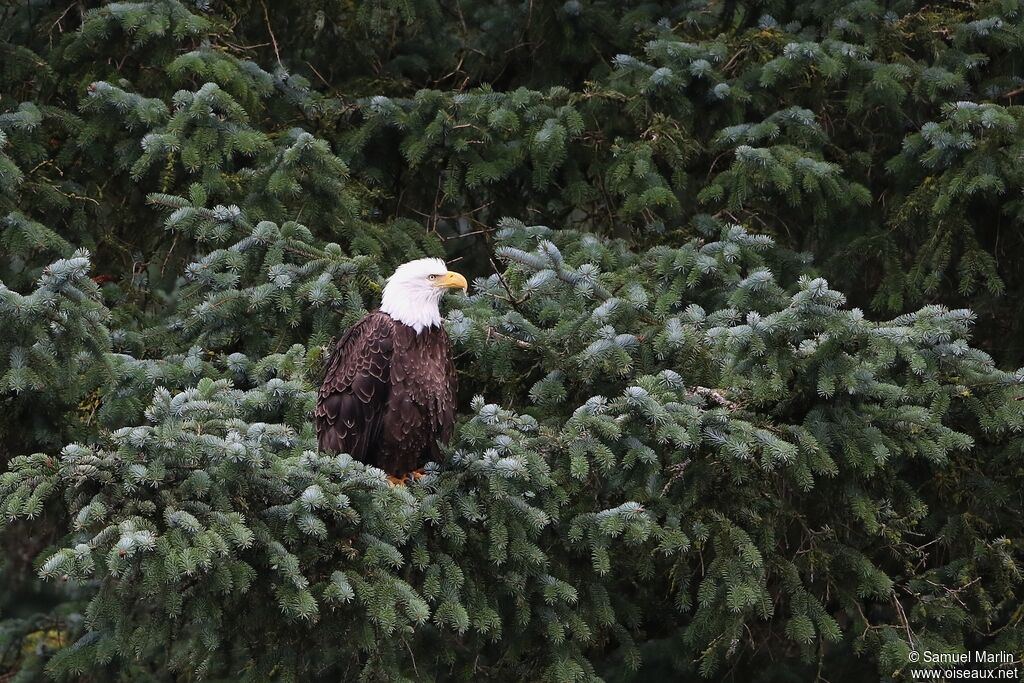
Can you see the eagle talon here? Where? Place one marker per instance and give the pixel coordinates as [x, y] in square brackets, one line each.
[396, 481]
[416, 475]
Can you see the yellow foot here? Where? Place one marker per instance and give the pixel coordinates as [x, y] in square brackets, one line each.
[416, 475]
[396, 481]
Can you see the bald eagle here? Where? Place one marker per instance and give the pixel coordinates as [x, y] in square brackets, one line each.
[388, 396]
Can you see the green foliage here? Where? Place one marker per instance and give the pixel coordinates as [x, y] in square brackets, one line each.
[629, 474]
[681, 452]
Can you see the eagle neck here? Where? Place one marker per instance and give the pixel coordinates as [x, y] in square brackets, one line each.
[419, 313]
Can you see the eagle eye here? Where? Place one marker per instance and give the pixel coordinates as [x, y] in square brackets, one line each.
[432, 277]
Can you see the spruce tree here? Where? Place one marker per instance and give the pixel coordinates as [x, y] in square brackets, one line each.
[681, 452]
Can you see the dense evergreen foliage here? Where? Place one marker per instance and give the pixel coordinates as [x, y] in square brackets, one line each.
[682, 451]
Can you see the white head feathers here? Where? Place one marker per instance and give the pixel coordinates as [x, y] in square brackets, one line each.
[413, 292]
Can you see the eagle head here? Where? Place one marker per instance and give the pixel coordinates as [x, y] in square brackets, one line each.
[413, 292]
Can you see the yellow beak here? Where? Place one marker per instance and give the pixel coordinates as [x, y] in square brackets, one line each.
[451, 280]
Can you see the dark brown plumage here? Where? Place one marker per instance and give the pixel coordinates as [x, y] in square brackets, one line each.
[389, 395]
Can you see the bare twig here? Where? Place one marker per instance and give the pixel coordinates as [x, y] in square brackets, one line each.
[728, 65]
[1014, 93]
[318, 75]
[412, 657]
[677, 471]
[501, 278]
[170, 251]
[482, 231]
[903, 619]
[273, 39]
[493, 332]
[56, 24]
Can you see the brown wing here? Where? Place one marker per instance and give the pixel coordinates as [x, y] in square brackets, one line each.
[354, 395]
[421, 409]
